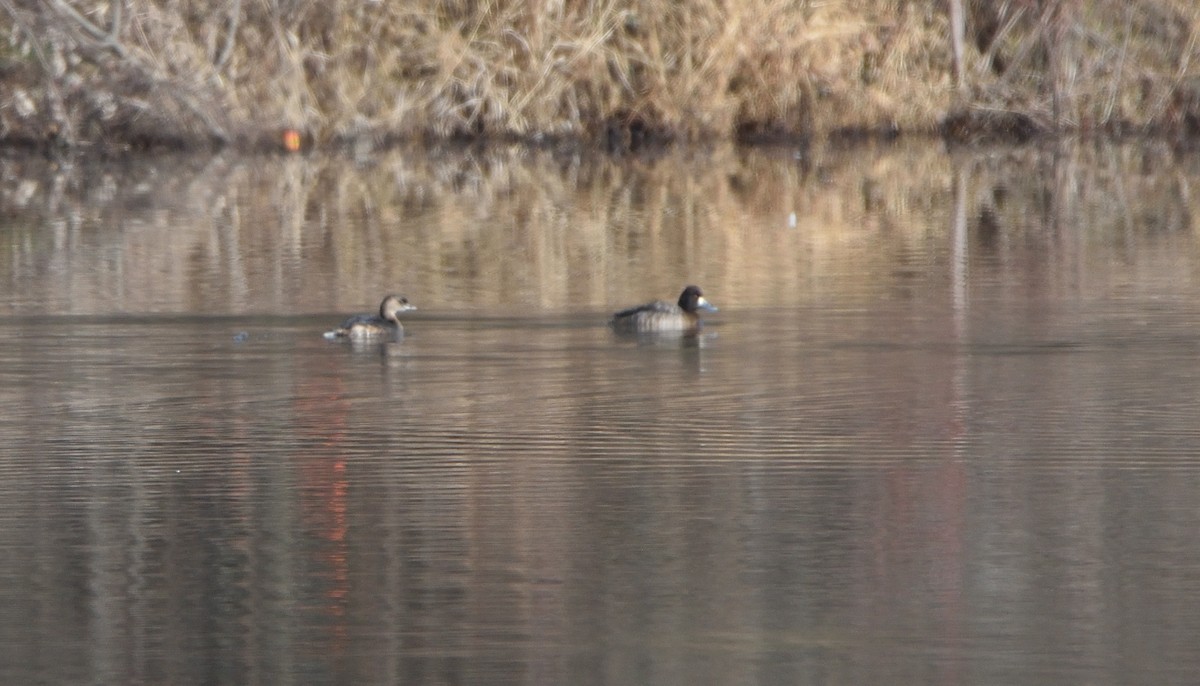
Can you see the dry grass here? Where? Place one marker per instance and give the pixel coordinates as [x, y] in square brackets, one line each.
[619, 72]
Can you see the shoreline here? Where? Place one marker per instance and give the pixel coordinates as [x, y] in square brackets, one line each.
[267, 145]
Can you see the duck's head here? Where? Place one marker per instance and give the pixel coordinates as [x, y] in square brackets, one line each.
[393, 305]
[692, 299]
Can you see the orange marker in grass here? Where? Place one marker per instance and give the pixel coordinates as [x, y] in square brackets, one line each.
[291, 140]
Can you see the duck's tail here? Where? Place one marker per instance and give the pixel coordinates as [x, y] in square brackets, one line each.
[335, 334]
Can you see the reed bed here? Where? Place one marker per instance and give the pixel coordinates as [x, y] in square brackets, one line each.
[615, 73]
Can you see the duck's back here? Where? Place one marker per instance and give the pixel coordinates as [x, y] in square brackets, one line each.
[363, 319]
[659, 315]
[366, 326]
[656, 306]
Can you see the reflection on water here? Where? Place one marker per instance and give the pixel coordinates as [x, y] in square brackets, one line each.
[508, 232]
[943, 429]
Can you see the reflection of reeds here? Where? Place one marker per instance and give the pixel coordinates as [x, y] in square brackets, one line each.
[619, 71]
[509, 230]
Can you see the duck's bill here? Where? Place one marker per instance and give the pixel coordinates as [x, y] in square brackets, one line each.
[705, 305]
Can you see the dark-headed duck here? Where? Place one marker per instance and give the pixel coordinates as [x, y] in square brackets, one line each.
[662, 316]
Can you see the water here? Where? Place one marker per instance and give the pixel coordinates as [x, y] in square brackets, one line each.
[943, 430]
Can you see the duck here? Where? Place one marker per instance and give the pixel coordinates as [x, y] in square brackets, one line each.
[661, 316]
[386, 324]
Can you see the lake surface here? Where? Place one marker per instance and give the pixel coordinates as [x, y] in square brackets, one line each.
[945, 428]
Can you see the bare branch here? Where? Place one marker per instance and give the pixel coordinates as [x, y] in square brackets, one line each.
[116, 20]
[107, 39]
[235, 15]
